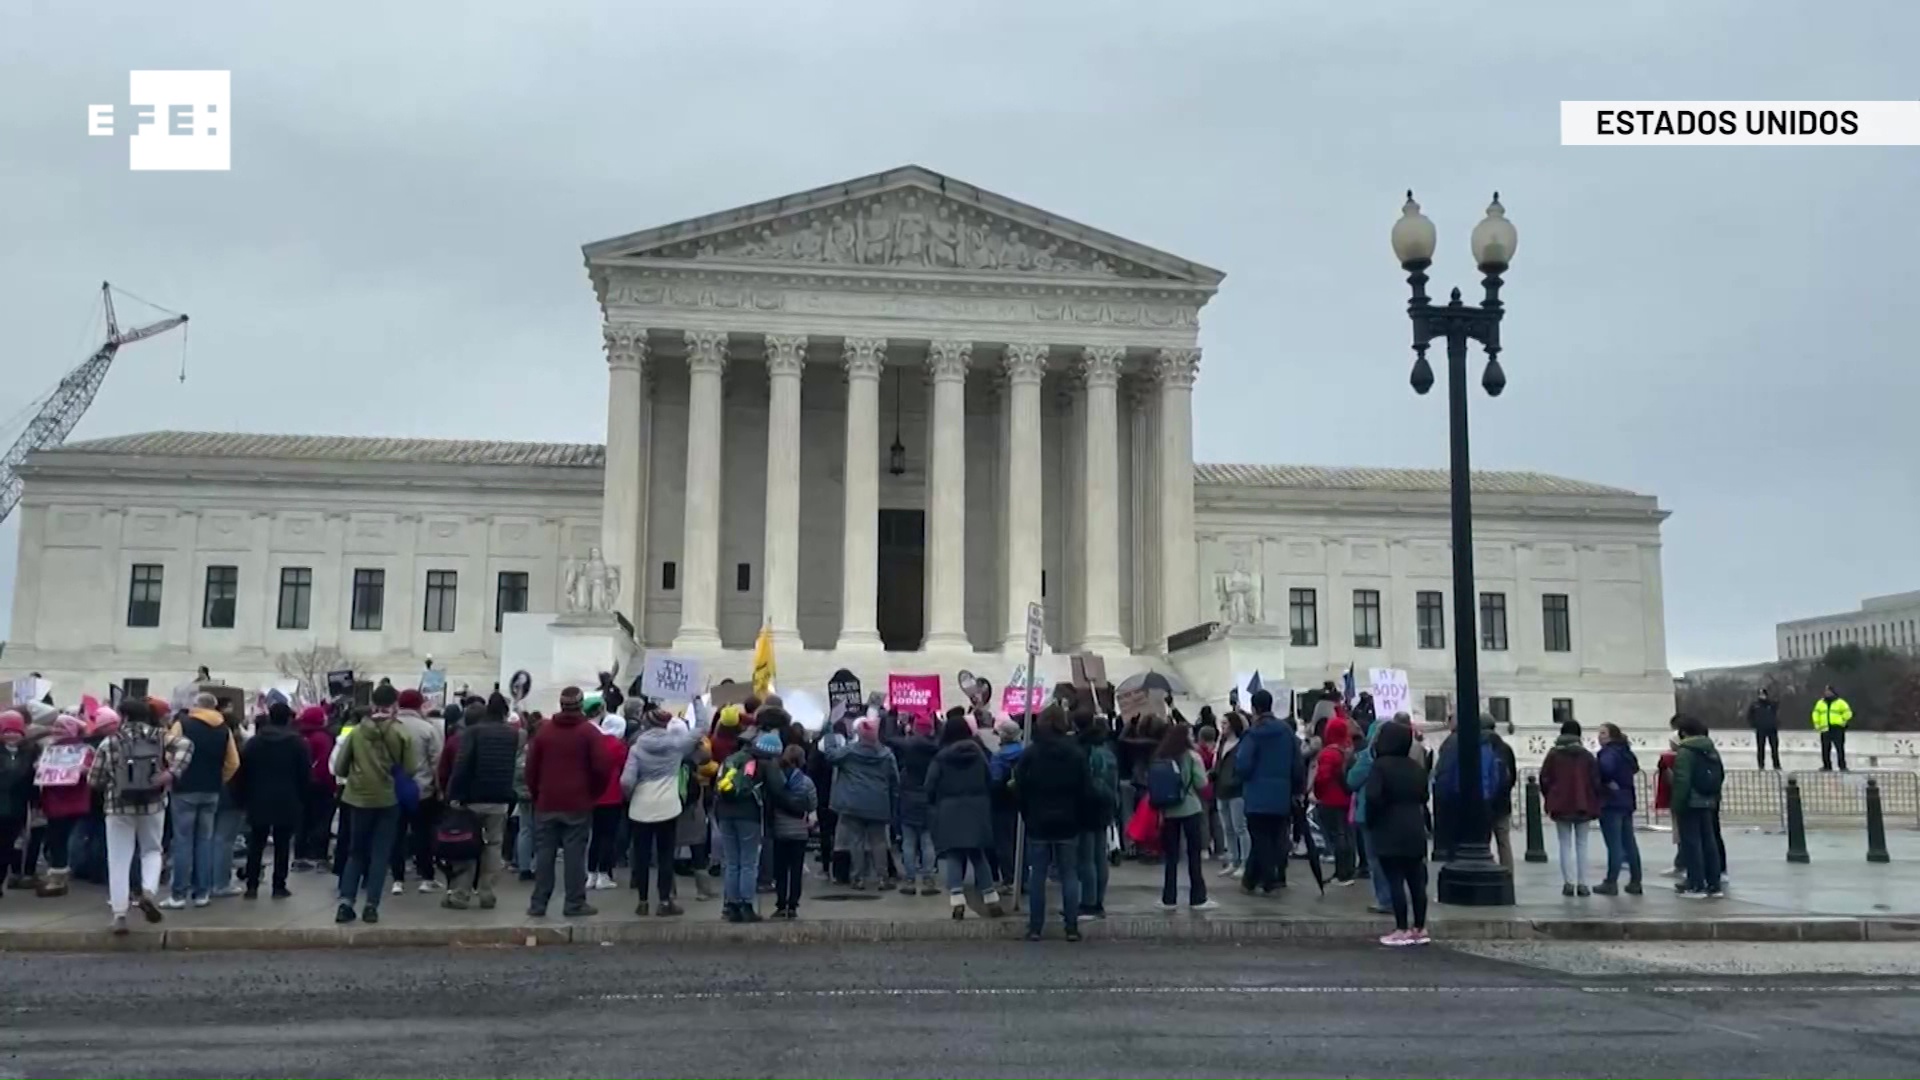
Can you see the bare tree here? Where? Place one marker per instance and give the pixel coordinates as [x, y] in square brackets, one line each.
[310, 665]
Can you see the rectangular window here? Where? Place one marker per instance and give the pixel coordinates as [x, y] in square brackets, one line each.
[1562, 709]
[369, 599]
[1366, 618]
[1303, 618]
[743, 579]
[669, 575]
[133, 688]
[1436, 706]
[296, 597]
[1558, 618]
[1501, 709]
[443, 588]
[1493, 621]
[509, 596]
[223, 585]
[143, 598]
[1432, 611]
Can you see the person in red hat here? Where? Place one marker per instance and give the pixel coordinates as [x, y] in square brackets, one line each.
[414, 834]
[316, 813]
[568, 769]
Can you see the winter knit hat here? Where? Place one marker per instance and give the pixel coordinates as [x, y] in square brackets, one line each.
[313, 715]
[614, 725]
[411, 699]
[105, 722]
[570, 699]
[67, 726]
[12, 723]
[730, 716]
[768, 741]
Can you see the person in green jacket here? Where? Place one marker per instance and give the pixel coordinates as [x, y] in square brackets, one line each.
[1697, 777]
[1831, 715]
[1107, 810]
[366, 760]
[1182, 823]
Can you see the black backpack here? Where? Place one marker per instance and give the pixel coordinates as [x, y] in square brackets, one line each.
[1708, 775]
[136, 774]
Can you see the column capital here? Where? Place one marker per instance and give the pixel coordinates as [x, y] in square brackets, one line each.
[786, 354]
[1100, 364]
[626, 345]
[947, 361]
[1177, 368]
[707, 351]
[1026, 361]
[1141, 394]
[864, 357]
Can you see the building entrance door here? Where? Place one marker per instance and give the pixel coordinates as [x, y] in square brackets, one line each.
[901, 610]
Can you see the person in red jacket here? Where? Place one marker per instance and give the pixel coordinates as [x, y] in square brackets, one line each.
[1332, 800]
[1570, 790]
[609, 810]
[567, 771]
[63, 804]
[316, 814]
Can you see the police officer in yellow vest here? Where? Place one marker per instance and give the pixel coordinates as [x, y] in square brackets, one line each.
[1831, 714]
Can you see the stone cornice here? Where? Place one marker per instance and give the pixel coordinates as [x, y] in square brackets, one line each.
[1224, 498]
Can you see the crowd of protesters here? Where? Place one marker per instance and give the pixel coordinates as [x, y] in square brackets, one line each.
[738, 799]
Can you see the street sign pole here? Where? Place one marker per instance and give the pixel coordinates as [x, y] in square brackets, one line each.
[1036, 640]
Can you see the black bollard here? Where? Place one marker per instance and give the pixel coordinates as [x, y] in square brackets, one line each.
[1796, 825]
[1536, 834]
[1876, 825]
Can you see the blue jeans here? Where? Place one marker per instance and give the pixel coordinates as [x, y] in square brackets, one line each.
[1042, 856]
[739, 858]
[1233, 822]
[226, 830]
[523, 840]
[916, 852]
[193, 820]
[1377, 877]
[1623, 848]
[956, 863]
[1093, 869]
[371, 835]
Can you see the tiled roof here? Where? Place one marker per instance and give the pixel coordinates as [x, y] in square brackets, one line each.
[1334, 478]
[344, 448]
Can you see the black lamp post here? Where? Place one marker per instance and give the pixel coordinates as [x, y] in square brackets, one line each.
[1472, 877]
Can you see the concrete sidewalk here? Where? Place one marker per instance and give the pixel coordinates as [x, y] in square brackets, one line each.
[1838, 897]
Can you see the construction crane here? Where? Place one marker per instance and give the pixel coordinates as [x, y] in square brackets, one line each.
[68, 402]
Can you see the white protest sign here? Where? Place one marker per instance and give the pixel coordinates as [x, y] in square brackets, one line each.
[28, 688]
[61, 765]
[1390, 693]
[671, 678]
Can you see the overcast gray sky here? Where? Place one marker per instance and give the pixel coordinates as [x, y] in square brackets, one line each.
[396, 250]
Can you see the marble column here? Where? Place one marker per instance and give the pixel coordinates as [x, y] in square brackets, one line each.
[700, 551]
[860, 555]
[1026, 364]
[1179, 572]
[1099, 556]
[780, 577]
[947, 497]
[1143, 404]
[620, 503]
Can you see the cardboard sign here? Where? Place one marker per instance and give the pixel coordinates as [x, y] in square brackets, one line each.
[1089, 670]
[1390, 693]
[843, 692]
[730, 693]
[339, 683]
[1132, 703]
[62, 765]
[916, 694]
[671, 678]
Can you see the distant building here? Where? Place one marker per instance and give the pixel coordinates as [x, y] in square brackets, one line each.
[1891, 622]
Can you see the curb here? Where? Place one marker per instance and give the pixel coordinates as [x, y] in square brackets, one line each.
[861, 931]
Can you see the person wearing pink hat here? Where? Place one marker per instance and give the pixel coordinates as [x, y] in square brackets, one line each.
[16, 782]
[61, 776]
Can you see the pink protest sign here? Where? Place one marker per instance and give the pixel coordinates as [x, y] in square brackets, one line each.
[916, 694]
[1011, 697]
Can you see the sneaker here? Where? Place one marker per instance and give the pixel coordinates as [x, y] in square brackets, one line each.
[1606, 888]
[581, 912]
[1421, 937]
[1229, 870]
[252, 893]
[119, 926]
[1673, 871]
[1168, 905]
[909, 889]
[1206, 905]
[398, 888]
[148, 908]
[1582, 890]
[344, 914]
[749, 913]
[1692, 894]
[536, 913]
[670, 909]
[1073, 933]
[431, 885]
[1376, 909]
[487, 903]
[643, 909]
[1634, 889]
[228, 890]
[174, 903]
[1716, 894]
[202, 901]
[1349, 881]
[281, 892]
[453, 903]
[369, 914]
[1567, 889]
[1397, 938]
[1033, 935]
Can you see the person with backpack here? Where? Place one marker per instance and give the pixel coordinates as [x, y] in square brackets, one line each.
[794, 802]
[1618, 767]
[866, 785]
[1332, 802]
[413, 831]
[197, 794]
[657, 780]
[274, 768]
[1174, 779]
[960, 814]
[1358, 770]
[739, 815]
[479, 785]
[1447, 788]
[376, 760]
[1698, 775]
[65, 799]
[1500, 801]
[16, 790]
[1053, 788]
[1570, 792]
[132, 770]
[1102, 814]
[1274, 774]
[1396, 800]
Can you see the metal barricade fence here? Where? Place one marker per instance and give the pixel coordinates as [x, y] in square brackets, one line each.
[1843, 795]
[1759, 796]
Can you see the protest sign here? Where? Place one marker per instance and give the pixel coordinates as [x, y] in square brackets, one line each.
[728, 693]
[1089, 670]
[843, 692]
[339, 683]
[30, 688]
[670, 678]
[61, 765]
[916, 694]
[1014, 700]
[1390, 694]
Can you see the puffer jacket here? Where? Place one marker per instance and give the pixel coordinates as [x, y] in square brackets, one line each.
[793, 800]
[866, 778]
[485, 757]
[1618, 767]
[959, 803]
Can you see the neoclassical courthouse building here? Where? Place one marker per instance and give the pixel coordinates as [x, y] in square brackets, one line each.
[878, 417]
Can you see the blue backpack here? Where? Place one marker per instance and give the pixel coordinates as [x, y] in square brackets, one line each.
[1492, 775]
[1166, 787]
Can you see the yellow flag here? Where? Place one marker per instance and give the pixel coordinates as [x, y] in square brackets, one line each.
[763, 662]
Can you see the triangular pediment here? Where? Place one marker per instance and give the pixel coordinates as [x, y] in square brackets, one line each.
[906, 220]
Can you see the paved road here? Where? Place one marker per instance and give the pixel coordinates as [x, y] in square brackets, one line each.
[934, 1010]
